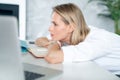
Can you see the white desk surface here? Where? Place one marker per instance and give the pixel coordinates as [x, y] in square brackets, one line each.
[73, 71]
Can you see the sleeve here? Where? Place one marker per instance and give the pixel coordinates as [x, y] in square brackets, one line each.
[84, 51]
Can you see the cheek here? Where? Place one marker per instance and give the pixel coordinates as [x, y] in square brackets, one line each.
[59, 34]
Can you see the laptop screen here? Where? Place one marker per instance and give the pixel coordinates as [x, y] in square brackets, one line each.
[10, 63]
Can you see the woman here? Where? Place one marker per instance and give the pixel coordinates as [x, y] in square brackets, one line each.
[73, 41]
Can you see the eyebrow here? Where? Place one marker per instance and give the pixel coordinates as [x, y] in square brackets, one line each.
[54, 22]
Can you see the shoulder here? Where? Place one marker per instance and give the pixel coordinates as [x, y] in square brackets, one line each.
[100, 31]
[100, 34]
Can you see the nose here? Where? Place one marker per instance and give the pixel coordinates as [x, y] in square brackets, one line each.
[51, 28]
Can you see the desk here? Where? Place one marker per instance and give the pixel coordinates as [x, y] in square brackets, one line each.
[73, 71]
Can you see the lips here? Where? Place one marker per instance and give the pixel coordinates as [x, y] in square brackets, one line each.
[51, 35]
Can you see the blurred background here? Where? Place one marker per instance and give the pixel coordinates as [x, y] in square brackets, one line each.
[39, 16]
[34, 16]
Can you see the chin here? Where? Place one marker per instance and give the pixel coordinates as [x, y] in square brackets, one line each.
[55, 39]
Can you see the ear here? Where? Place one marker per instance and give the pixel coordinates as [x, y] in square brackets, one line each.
[70, 28]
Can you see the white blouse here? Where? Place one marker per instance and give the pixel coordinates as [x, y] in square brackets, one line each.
[100, 46]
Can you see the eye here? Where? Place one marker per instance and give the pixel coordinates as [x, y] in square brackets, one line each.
[53, 23]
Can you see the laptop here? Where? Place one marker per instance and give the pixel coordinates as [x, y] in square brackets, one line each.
[11, 66]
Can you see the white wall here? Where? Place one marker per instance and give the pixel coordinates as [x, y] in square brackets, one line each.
[39, 14]
[22, 15]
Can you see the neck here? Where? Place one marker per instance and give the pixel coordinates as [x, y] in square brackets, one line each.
[66, 40]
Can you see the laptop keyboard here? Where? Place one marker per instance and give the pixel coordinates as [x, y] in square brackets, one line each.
[32, 75]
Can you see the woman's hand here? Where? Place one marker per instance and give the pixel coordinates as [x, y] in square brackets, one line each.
[55, 54]
[42, 41]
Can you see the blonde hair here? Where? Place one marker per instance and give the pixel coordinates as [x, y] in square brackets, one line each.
[72, 15]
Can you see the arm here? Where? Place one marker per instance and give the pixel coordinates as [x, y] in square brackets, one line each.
[42, 41]
[55, 54]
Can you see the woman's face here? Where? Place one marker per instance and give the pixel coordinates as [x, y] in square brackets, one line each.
[59, 31]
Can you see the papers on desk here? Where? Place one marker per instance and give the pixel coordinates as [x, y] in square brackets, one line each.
[38, 52]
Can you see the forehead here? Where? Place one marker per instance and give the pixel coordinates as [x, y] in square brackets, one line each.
[56, 16]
